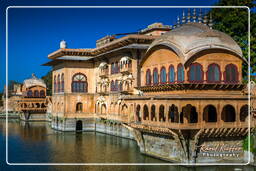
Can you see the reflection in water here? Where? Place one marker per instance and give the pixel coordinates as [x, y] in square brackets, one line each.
[36, 142]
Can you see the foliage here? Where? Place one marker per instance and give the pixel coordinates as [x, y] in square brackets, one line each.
[48, 81]
[234, 22]
[252, 143]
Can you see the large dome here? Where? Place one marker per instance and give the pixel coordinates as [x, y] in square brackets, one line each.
[192, 38]
[34, 81]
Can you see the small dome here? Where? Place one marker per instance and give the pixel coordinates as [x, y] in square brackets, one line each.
[191, 38]
[63, 44]
[34, 81]
[103, 65]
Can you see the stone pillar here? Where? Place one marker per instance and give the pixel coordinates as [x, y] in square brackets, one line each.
[157, 113]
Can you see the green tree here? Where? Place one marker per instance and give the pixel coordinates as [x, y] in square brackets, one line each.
[48, 81]
[234, 22]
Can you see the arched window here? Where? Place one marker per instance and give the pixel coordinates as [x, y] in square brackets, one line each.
[29, 93]
[213, 73]
[145, 112]
[112, 68]
[228, 114]
[42, 93]
[58, 83]
[79, 107]
[231, 74]
[155, 76]
[153, 112]
[55, 85]
[116, 85]
[190, 113]
[180, 74]
[171, 74]
[173, 115]
[161, 113]
[36, 93]
[112, 88]
[163, 75]
[138, 115]
[117, 67]
[195, 73]
[243, 113]
[210, 114]
[62, 82]
[79, 83]
[148, 77]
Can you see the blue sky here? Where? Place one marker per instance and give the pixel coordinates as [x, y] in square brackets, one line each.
[34, 33]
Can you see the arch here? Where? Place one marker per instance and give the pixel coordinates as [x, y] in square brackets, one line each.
[180, 73]
[79, 125]
[210, 114]
[79, 83]
[124, 109]
[29, 93]
[190, 113]
[58, 83]
[79, 107]
[148, 77]
[173, 115]
[195, 73]
[231, 74]
[36, 93]
[138, 115]
[244, 113]
[62, 82]
[112, 85]
[171, 74]
[213, 74]
[155, 76]
[228, 113]
[103, 109]
[42, 93]
[145, 113]
[153, 113]
[116, 85]
[161, 113]
[55, 85]
[163, 75]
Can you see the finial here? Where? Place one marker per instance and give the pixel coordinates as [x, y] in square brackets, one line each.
[194, 15]
[210, 21]
[178, 21]
[188, 17]
[183, 17]
[205, 21]
[200, 16]
[63, 44]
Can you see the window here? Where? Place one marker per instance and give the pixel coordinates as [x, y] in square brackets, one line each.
[116, 85]
[213, 73]
[148, 77]
[163, 75]
[29, 93]
[79, 107]
[180, 75]
[171, 75]
[231, 74]
[195, 73]
[36, 93]
[155, 76]
[112, 68]
[58, 83]
[79, 83]
[42, 93]
[55, 85]
[112, 85]
[62, 83]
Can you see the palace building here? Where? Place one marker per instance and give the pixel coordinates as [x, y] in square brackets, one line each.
[172, 89]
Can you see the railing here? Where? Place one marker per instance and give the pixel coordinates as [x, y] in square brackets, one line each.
[126, 68]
